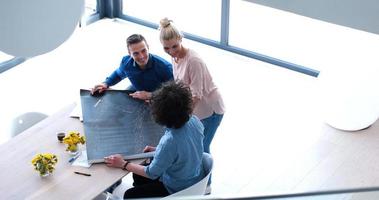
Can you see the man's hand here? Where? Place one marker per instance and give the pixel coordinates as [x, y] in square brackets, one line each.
[149, 149]
[115, 161]
[143, 95]
[100, 88]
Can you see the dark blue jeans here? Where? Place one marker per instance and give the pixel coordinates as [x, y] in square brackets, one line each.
[211, 124]
[145, 187]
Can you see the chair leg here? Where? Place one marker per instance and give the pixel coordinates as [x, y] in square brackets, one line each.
[208, 190]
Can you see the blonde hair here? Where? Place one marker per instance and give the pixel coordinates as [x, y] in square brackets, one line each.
[168, 30]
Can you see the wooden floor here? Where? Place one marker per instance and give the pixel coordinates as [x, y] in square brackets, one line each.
[272, 139]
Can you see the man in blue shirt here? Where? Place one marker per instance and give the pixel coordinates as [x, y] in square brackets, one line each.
[177, 162]
[145, 71]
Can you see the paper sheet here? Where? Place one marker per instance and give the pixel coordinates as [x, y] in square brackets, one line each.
[77, 112]
[82, 161]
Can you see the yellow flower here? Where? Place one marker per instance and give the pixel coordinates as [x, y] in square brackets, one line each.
[44, 163]
[72, 147]
[72, 140]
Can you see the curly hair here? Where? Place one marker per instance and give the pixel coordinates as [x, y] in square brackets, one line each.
[171, 104]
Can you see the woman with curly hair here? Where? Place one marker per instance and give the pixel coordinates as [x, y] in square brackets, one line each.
[178, 156]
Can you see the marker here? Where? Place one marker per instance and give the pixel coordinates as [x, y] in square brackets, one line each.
[81, 173]
[74, 158]
[97, 103]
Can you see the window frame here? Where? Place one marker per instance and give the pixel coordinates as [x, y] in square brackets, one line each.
[223, 42]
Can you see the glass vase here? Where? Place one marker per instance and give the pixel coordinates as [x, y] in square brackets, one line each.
[46, 174]
[73, 149]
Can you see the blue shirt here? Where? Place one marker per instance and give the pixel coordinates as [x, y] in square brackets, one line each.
[157, 71]
[178, 157]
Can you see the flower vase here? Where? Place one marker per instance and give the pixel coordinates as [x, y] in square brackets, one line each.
[42, 169]
[73, 149]
[44, 163]
[73, 153]
[46, 174]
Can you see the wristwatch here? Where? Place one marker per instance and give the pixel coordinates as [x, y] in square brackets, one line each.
[125, 165]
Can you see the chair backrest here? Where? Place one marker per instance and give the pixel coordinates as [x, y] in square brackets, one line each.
[25, 121]
[199, 187]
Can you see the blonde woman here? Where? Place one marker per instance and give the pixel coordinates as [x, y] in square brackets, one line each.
[189, 68]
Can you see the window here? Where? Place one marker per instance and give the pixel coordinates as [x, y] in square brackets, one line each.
[91, 13]
[273, 32]
[198, 17]
[90, 7]
[4, 57]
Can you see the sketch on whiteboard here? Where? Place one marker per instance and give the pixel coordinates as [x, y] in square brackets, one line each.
[117, 124]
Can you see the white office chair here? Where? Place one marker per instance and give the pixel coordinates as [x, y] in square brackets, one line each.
[107, 196]
[25, 121]
[200, 187]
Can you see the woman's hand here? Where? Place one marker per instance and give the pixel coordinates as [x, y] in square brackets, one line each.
[115, 161]
[118, 161]
[149, 149]
[143, 95]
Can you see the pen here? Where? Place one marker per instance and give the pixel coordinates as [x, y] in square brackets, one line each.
[73, 158]
[97, 103]
[81, 173]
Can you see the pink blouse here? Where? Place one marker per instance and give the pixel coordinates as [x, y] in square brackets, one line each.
[192, 71]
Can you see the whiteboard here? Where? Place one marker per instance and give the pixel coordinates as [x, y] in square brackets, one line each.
[117, 123]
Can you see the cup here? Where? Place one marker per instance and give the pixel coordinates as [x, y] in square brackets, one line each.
[60, 136]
